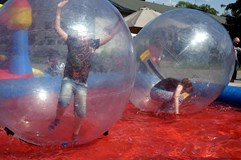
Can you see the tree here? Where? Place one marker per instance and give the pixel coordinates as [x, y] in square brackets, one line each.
[3, 1]
[204, 7]
[235, 8]
[182, 4]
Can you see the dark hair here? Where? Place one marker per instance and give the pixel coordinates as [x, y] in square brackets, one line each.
[187, 84]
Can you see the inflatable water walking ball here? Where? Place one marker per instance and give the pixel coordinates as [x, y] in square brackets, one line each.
[34, 60]
[182, 43]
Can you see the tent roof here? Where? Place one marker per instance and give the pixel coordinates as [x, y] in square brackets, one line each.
[130, 6]
[141, 17]
[134, 5]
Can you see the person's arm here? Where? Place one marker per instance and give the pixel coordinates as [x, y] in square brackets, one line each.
[111, 35]
[57, 24]
[176, 97]
[238, 49]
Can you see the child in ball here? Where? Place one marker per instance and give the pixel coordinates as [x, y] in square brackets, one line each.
[80, 50]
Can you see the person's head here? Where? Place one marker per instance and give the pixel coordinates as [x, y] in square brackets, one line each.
[53, 57]
[187, 85]
[81, 33]
[83, 40]
[236, 41]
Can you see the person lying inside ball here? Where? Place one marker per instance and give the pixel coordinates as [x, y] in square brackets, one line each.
[171, 92]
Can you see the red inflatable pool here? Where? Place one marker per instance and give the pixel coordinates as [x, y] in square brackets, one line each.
[214, 133]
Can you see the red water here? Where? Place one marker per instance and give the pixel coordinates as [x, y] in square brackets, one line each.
[214, 133]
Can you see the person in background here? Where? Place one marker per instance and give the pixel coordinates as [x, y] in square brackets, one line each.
[236, 42]
[56, 67]
[3, 61]
[171, 92]
[80, 50]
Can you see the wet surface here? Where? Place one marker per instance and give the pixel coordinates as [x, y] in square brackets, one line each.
[214, 133]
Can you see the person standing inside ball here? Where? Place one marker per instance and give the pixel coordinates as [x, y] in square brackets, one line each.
[237, 50]
[80, 50]
[171, 92]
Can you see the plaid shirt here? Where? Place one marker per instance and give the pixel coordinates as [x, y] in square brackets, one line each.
[79, 58]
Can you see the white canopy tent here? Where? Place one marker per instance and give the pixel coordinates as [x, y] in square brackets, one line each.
[137, 20]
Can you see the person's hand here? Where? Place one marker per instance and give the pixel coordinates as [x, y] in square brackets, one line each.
[239, 49]
[177, 111]
[153, 59]
[62, 3]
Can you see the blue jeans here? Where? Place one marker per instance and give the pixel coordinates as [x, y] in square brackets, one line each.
[166, 97]
[163, 95]
[79, 90]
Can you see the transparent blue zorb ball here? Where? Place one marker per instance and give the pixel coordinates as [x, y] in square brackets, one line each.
[31, 83]
[182, 43]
